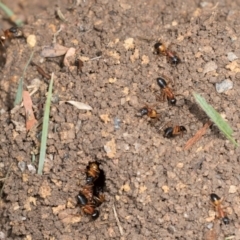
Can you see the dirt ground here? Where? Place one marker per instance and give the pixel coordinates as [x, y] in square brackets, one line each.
[159, 190]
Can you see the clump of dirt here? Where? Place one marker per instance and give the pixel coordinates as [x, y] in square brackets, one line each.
[159, 190]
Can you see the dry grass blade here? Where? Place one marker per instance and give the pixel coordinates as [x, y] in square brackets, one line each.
[30, 118]
[45, 127]
[117, 219]
[197, 136]
[216, 118]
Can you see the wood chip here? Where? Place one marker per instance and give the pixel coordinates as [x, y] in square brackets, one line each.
[197, 136]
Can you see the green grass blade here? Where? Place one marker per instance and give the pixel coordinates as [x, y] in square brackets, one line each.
[215, 117]
[45, 128]
[18, 98]
[10, 14]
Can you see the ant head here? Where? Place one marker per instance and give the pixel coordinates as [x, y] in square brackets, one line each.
[173, 101]
[95, 214]
[89, 180]
[143, 111]
[13, 29]
[182, 128]
[214, 197]
[157, 45]
[225, 220]
[16, 32]
[175, 60]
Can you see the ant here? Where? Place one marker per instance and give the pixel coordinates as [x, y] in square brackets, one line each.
[87, 208]
[216, 201]
[160, 48]
[174, 131]
[150, 112]
[11, 33]
[92, 172]
[166, 91]
[87, 191]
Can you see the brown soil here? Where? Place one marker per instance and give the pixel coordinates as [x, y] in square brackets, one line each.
[159, 190]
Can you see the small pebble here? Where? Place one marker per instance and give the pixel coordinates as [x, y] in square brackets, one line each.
[209, 67]
[31, 168]
[204, 4]
[224, 86]
[171, 229]
[2, 235]
[232, 189]
[2, 111]
[31, 40]
[22, 166]
[117, 122]
[231, 56]
[210, 226]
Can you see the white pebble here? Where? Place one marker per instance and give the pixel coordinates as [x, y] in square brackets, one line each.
[22, 166]
[210, 66]
[2, 235]
[31, 168]
[224, 86]
[117, 122]
[232, 189]
[232, 56]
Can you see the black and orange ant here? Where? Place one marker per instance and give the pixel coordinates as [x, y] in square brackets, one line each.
[87, 206]
[150, 112]
[160, 48]
[92, 172]
[87, 191]
[217, 203]
[174, 131]
[166, 91]
[11, 33]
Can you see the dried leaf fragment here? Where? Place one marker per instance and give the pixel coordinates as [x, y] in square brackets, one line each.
[54, 50]
[69, 57]
[27, 103]
[78, 105]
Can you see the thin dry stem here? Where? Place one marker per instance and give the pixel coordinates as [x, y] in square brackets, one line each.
[117, 219]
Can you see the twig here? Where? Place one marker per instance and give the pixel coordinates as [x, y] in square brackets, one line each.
[197, 136]
[117, 219]
[56, 34]
[60, 14]
[8, 172]
[41, 71]
[95, 58]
